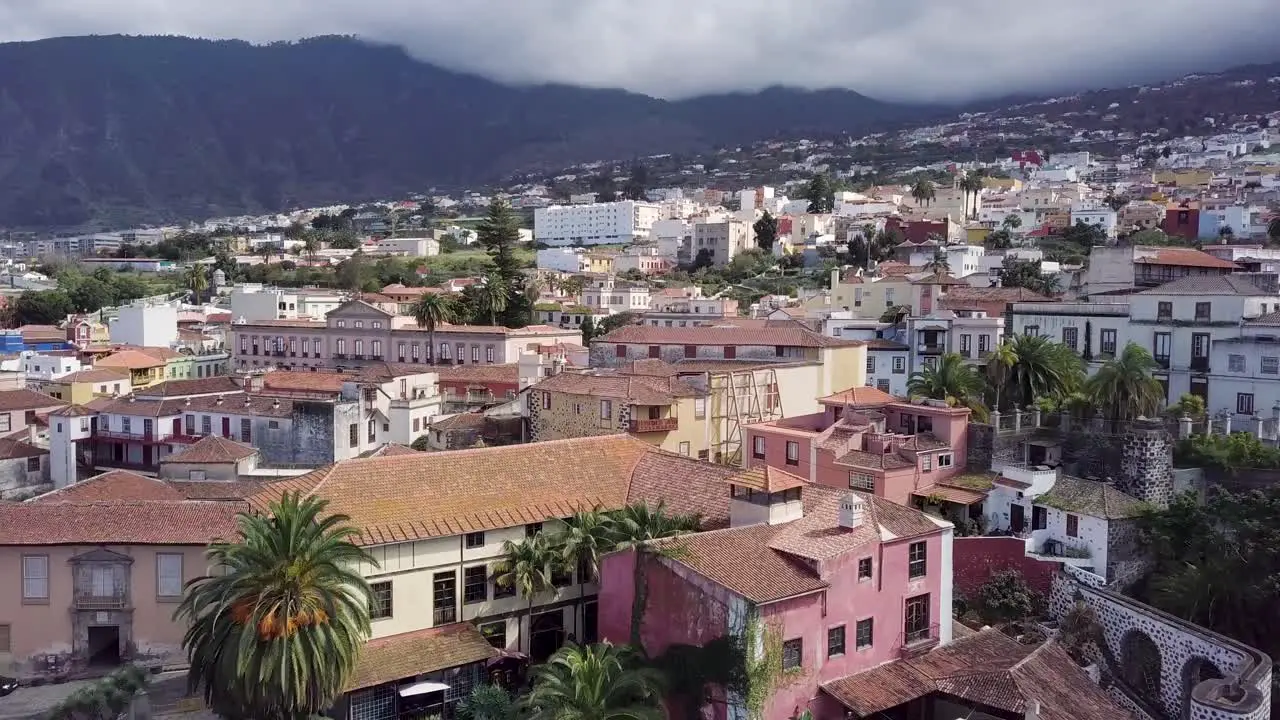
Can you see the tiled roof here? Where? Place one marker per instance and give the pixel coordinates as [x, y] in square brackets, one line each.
[635, 389]
[1090, 497]
[100, 374]
[406, 655]
[385, 371]
[116, 485]
[923, 442]
[986, 668]
[1209, 285]
[860, 397]
[1189, 257]
[212, 449]
[766, 478]
[391, 450]
[897, 269]
[305, 381]
[460, 421]
[787, 334]
[11, 449]
[131, 359]
[229, 403]
[685, 366]
[117, 522]
[952, 493]
[874, 461]
[73, 411]
[1268, 320]
[939, 279]
[648, 366]
[24, 399]
[962, 296]
[196, 386]
[507, 374]
[424, 495]
[216, 489]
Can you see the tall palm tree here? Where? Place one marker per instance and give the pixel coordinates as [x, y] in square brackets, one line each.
[573, 286]
[938, 264]
[1124, 387]
[267, 251]
[197, 279]
[597, 682]
[587, 536]
[635, 527]
[494, 296]
[1044, 368]
[527, 566]
[1000, 364]
[310, 247]
[430, 311]
[923, 191]
[532, 293]
[1011, 222]
[951, 379]
[278, 633]
[972, 185]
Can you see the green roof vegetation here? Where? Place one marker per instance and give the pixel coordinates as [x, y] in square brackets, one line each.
[973, 481]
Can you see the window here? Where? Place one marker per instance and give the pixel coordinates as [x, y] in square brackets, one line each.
[917, 560]
[945, 460]
[359, 347]
[1039, 518]
[475, 353]
[475, 540]
[375, 347]
[1244, 405]
[488, 354]
[917, 618]
[546, 400]
[1203, 311]
[1235, 363]
[899, 365]
[475, 584]
[168, 575]
[359, 323]
[871, 363]
[376, 324]
[606, 409]
[495, 633]
[864, 568]
[730, 352]
[444, 596]
[620, 351]
[926, 463]
[882, 385]
[863, 633]
[532, 529]
[862, 481]
[342, 323]
[380, 607]
[246, 430]
[1160, 347]
[1270, 365]
[1164, 311]
[835, 641]
[353, 435]
[416, 351]
[984, 343]
[445, 352]
[503, 591]
[196, 475]
[1071, 337]
[757, 447]
[699, 408]
[35, 577]
[966, 344]
[793, 452]
[33, 464]
[6, 640]
[1031, 331]
[206, 425]
[341, 346]
[793, 654]
[561, 575]
[690, 351]
[1073, 525]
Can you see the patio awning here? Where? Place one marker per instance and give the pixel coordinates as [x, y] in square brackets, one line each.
[408, 655]
[952, 494]
[421, 688]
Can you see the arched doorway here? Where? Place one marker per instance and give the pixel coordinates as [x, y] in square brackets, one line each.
[1195, 671]
[1140, 663]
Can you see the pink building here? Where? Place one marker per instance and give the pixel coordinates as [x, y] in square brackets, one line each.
[868, 440]
[841, 581]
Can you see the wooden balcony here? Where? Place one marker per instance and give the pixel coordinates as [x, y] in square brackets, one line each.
[659, 425]
[87, 601]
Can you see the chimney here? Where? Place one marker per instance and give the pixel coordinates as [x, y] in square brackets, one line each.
[1033, 710]
[218, 401]
[852, 510]
[246, 401]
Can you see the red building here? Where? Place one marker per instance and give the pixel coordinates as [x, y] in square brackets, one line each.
[1182, 220]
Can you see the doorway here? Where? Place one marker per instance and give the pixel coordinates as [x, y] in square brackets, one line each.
[1017, 518]
[104, 645]
[546, 635]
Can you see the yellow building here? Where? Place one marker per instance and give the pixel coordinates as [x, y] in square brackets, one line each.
[868, 297]
[1002, 184]
[80, 387]
[145, 369]
[598, 262]
[1183, 178]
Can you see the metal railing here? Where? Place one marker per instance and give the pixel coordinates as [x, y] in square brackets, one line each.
[85, 601]
[655, 425]
[444, 616]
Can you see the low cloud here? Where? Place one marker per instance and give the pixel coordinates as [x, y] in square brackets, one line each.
[911, 50]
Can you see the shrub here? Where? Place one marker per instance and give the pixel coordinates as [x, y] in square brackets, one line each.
[1006, 597]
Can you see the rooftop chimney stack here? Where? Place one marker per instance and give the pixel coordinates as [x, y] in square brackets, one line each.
[852, 511]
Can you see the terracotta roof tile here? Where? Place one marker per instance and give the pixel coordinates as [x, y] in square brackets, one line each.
[131, 359]
[74, 411]
[116, 485]
[1209, 285]
[1188, 257]
[212, 449]
[952, 493]
[13, 449]
[860, 397]
[507, 374]
[683, 485]
[1090, 497]
[406, 655]
[24, 399]
[305, 381]
[767, 479]
[636, 389]
[196, 386]
[230, 403]
[875, 461]
[216, 489]
[117, 522]
[460, 421]
[392, 450]
[100, 374]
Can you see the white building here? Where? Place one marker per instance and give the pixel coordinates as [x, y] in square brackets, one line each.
[1104, 218]
[610, 295]
[722, 240]
[146, 325]
[611, 223]
[254, 302]
[962, 260]
[40, 368]
[413, 247]
[562, 259]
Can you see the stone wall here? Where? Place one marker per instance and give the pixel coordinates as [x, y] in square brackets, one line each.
[980, 449]
[573, 416]
[1184, 648]
[17, 482]
[1146, 466]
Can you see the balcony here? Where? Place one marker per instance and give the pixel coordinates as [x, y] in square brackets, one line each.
[444, 616]
[919, 640]
[658, 425]
[88, 601]
[934, 348]
[1200, 364]
[145, 438]
[416, 397]
[1162, 361]
[1040, 477]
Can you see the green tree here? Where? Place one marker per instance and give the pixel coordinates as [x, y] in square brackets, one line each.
[527, 566]
[499, 234]
[1043, 369]
[1115, 202]
[1006, 597]
[1000, 364]
[196, 279]
[1189, 405]
[91, 295]
[999, 240]
[1015, 273]
[573, 286]
[487, 702]
[587, 535]
[1011, 222]
[494, 295]
[430, 311]
[972, 185]
[923, 191]
[636, 527]
[766, 229]
[637, 183]
[820, 194]
[588, 329]
[939, 264]
[310, 247]
[267, 251]
[1124, 386]
[615, 321]
[952, 380]
[596, 682]
[39, 307]
[702, 261]
[277, 630]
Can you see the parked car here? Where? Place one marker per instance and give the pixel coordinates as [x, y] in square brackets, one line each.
[7, 685]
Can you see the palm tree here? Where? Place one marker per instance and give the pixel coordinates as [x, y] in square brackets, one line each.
[1000, 364]
[278, 633]
[597, 682]
[923, 191]
[1044, 369]
[310, 247]
[586, 537]
[635, 527]
[1011, 222]
[527, 566]
[267, 251]
[972, 185]
[197, 279]
[1124, 387]
[532, 293]
[573, 286]
[951, 379]
[938, 264]
[432, 310]
[494, 296]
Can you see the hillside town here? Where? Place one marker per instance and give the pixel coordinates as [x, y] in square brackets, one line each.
[961, 439]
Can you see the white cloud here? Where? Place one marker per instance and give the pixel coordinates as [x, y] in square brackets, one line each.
[894, 49]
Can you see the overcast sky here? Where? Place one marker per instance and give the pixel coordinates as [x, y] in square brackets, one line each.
[893, 49]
